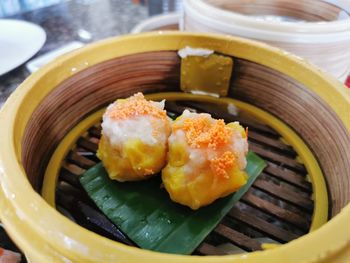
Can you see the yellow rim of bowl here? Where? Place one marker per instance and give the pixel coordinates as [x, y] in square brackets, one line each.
[43, 233]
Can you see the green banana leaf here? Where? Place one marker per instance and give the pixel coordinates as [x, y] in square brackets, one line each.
[145, 213]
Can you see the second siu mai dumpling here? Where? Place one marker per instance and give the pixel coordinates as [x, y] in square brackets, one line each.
[206, 159]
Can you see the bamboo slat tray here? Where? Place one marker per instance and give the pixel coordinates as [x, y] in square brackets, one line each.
[279, 206]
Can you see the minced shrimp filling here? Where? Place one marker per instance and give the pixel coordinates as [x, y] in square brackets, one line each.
[136, 118]
[210, 140]
[147, 129]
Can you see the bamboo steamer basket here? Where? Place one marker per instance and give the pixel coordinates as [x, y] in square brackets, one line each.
[324, 39]
[43, 118]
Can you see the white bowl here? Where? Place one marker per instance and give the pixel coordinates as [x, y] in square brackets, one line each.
[168, 21]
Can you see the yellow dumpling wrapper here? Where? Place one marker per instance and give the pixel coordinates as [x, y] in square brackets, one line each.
[135, 161]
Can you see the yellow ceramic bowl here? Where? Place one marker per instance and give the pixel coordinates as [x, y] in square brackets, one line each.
[33, 120]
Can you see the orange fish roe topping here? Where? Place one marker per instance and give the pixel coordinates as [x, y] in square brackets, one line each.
[202, 132]
[220, 166]
[155, 131]
[134, 106]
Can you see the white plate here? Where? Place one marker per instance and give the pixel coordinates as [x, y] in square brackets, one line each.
[19, 41]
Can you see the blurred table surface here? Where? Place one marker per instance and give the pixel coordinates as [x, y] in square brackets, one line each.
[85, 21]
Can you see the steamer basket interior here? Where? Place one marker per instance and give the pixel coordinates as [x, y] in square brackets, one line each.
[97, 86]
[278, 208]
